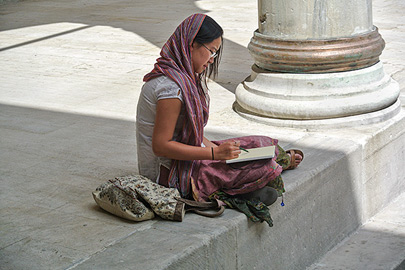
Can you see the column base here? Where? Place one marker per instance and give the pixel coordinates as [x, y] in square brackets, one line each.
[343, 98]
[322, 124]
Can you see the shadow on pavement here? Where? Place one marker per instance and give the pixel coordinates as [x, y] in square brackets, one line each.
[153, 20]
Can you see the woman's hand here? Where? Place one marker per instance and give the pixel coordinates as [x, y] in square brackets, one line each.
[227, 150]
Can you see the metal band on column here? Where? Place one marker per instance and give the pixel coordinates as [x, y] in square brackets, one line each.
[316, 56]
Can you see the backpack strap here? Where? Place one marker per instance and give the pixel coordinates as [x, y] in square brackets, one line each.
[203, 208]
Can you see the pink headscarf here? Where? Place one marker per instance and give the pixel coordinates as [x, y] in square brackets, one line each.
[175, 63]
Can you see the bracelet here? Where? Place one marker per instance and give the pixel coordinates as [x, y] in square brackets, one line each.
[212, 152]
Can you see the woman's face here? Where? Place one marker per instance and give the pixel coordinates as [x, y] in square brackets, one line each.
[201, 56]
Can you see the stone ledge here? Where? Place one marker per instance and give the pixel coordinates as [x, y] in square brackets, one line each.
[324, 204]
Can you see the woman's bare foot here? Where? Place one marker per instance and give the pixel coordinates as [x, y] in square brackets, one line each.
[296, 157]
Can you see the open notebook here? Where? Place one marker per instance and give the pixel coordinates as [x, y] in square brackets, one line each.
[254, 154]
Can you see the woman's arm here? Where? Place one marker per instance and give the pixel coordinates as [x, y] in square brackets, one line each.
[167, 113]
[208, 143]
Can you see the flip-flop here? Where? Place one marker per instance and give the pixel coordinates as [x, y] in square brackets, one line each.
[292, 153]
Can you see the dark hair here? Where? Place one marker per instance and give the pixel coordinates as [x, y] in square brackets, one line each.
[209, 31]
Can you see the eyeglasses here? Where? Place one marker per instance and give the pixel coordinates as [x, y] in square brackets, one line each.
[213, 54]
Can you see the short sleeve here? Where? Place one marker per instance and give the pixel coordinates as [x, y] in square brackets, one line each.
[168, 89]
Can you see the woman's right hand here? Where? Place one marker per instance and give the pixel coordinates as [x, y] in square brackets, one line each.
[227, 150]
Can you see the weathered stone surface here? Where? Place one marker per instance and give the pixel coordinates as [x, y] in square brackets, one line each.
[311, 19]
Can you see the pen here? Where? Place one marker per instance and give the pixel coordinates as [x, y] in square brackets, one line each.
[243, 149]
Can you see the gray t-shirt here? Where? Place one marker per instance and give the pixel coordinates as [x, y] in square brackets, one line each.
[156, 89]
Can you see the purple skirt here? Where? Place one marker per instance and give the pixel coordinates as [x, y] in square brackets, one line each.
[210, 176]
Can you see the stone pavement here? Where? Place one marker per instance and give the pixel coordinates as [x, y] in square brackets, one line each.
[70, 75]
[378, 244]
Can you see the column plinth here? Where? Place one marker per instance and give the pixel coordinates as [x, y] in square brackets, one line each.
[317, 96]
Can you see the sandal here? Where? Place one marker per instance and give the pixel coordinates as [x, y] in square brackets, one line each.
[292, 153]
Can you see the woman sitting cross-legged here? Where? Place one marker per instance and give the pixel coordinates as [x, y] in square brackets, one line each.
[172, 112]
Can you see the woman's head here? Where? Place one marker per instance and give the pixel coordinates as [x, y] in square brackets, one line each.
[189, 50]
[206, 49]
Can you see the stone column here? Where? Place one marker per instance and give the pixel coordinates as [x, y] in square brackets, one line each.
[317, 60]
